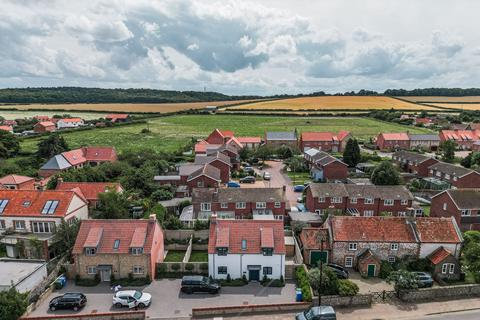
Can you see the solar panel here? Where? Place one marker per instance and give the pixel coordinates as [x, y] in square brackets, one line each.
[3, 204]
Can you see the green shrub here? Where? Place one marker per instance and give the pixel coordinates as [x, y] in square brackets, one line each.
[385, 269]
[189, 267]
[161, 268]
[135, 282]
[204, 266]
[347, 288]
[87, 282]
[302, 283]
[233, 282]
[229, 278]
[175, 266]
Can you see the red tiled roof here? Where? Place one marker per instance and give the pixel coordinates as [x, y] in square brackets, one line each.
[17, 200]
[342, 135]
[438, 255]
[317, 136]
[226, 133]
[72, 119]
[234, 140]
[395, 136]
[116, 116]
[266, 240]
[423, 120]
[372, 229]
[249, 230]
[100, 153]
[201, 146]
[6, 128]
[15, 179]
[45, 124]
[437, 230]
[249, 139]
[74, 157]
[90, 189]
[310, 238]
[121, 229]
[139, 237]
[93, 238]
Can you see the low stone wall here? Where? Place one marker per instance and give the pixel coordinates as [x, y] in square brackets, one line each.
[200, 247]
[360, 300]
[197, 267]
[249, 309]
[185, 234]
[174, 246]
[128, 315]
[439, 293]
[33, 306]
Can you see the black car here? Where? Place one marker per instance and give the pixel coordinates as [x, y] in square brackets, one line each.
[340, 271]
[71, 300]
[248, 179]
[192, 284]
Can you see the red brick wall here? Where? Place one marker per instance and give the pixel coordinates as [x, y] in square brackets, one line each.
[397, 207]
[156, 254]
[471, 180]
[27, 185]
[215, 138]
[422, 168]
[224, 170]
[335, 171]
[383, 144]
[436, 208]
[207, 183]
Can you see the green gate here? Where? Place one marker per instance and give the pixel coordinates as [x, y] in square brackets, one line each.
[316, 256]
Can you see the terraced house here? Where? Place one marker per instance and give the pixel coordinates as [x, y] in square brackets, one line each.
[325, 141]
[461, 204]
[393, 141]
[464, 139]
[455, 176]
[358, 200]
[33, 214]
[413, 162]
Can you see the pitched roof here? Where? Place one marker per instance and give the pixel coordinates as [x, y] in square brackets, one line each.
[201, 146]
[57, 162]
[249, 230]
[310, 238]
[6, 128]
[395, 136]
[438, 255]
[320, 190]
[266, 237]
[437, 230]
[464, 198]
[282, 136]
[360, 191]
[450, 169]
[411, 156]
[206, 170]
[100, 153]
[244, 140]
[89, 189]
[45, 124]
[116, 116]
[216, 155]
[15, 179]
[71, 120]
[33, 202]
[424, 137]
[460, 135]
[125, 230]
[230, 195]
[74, 157]
[317, 136]
[371, 229]
[188, 168]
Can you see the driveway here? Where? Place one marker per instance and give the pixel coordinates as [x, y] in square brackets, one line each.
[279, 179]
[367, 285]
[382, 154]
[169, 303]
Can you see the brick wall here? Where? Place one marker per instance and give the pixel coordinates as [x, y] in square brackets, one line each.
[122, 264]
[439, 293]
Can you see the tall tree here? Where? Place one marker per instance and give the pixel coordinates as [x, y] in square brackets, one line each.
[112, 205]
[65, 236]
[351, 154]
[53, 145]
[12, 304]
[448, 149]
[385, 174]
[9, 145]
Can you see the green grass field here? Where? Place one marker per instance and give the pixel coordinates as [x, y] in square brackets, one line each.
[199, 256]
[174, 256]
[171, 133]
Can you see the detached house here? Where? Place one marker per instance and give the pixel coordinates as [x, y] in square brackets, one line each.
[393, 141]
[44, 126]
[324, 167]
[118, 247]
[461, 204]
[90, 190]
[68, 123]
[413, 162]
[16, 182]
[7, 128]
[31, 213]
[253, 249]
[278, 139]
[117, 117]
[220, 161]
[455, 176]
[207, 176]
[225, 138]
[325, 141]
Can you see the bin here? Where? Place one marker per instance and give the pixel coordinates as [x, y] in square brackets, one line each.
[298, 295]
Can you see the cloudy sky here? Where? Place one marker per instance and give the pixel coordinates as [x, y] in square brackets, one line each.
[241, 47]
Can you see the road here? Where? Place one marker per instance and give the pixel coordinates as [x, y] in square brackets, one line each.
[279, 179]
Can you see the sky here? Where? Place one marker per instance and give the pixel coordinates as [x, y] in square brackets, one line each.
[238, 47]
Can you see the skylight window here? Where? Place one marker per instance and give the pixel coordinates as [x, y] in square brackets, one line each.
[3, 204]
[50, 207]
[116, 244]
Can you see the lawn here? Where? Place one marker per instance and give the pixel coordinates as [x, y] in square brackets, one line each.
[174, 256]
[173, 132]
[198, 256]
[299, 177]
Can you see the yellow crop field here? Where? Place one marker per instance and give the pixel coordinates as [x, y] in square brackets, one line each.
[442, 99]
[124, 107]
[460, 106]
[334, 103]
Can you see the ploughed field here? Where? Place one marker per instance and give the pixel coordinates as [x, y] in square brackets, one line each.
[174, 132]
[333, 103]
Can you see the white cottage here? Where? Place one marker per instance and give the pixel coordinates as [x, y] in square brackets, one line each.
[250, 248]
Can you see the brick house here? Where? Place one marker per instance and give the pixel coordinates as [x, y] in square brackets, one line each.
[278, 139]
[424, 141]
[358, 200]
[117, 117]
[444, 264]
[413, 162]
[462, 204]
[250, 142]
[206, 177]
[393, 141]
[242, 203]
[464, 139]
[68, 123]
[44, 126]
[32, 213]
[7, 128]
[90, 190]
[455, 176]
[427, 122]
[119, 248]
[324, 167]
[476, 146]
[311, 246]
[251, 248]
[325, 141]
[218, 160]
[219, 137]
[16, 182]
[229, 151]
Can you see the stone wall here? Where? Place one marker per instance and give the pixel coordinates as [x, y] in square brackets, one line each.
[360, 300]
[439, 293]
[185, 234]
[128, 315]
[249, 309]
[197, 267]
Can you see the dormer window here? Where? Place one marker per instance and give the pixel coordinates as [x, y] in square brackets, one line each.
[90, 251]
[3, 204]
[267, 251]
[137, 251]
[50, 207]
[222, 251]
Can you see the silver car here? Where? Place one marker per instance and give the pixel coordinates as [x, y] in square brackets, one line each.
[129, 298]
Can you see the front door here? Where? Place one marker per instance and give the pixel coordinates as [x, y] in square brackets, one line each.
[254, 275]
[105, 274]
[371, 270]
[316, 256]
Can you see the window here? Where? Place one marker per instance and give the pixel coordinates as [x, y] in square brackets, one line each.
[200, 184]
[244, 244]
[2, 224]
[50, 207]
[222, 251]
[447, 176]
[402, 213]
[438, 174]
[43, 227]
[90, 251]
[3, 204]
[26, 204]
[444, 206]
[240, 205]
[137, 270]
[466, 213]
[137, 251]
[261, 205]
[267, 270]
[278, 204]
[321, 199]
[352, 246]
[207, 206]
[368, 201]
[336, 200]
[278, 217]
[455, 179]
[388, 202]
[451, 268]
[222, 270]
[267, 251]
[92, 270]
[368, 213]
[19, 225]
[391, 259]
[116, 244]
[430, 171]
[404, 202]
[448, 268]
[318, 211]
[353, 200]
[224, 205]
[394, 246]
[348, 262]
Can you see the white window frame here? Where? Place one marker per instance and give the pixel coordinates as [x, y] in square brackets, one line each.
[20, 225]
[278, 204]
[321, 199]
[3, 225]
[444, 206]
[451, 268]
[466, 213]
[137, 251]
[200, 184]
[224, 205]
[352, 246]
[90, 251]
[261, 205]
[391, 259]
[368, 213]
[402, 213]
[368, 201]
[348, 262]
[206, 206]
[240, 205]
[336, 199]
[394, 246]
[91, 270]
[43, 227]
[353, 200]
[404, 202]
[222, 272]
[388, 202]
[138, 270]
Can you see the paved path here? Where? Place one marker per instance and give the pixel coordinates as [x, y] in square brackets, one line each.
[279, 179]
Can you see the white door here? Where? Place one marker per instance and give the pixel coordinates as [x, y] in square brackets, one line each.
[105, 275]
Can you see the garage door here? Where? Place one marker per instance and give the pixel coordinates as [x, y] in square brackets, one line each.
[315, 257]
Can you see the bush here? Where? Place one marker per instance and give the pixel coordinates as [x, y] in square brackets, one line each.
[302, 283]
[229, 278]
[347, 288]
[161, 268]
[233, 282]
[175, 266]
[201, 225]
[87, 282]
[385, 269]
[134, 282]
[189, 267]
[204, 267]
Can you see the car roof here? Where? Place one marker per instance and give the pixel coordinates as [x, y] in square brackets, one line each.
[323, 310]
[197, 278]
[126, 292]
[72, 294]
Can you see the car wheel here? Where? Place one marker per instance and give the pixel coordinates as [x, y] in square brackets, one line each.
[52, 308]
[75, 308]
[118, 305]
[141, 305]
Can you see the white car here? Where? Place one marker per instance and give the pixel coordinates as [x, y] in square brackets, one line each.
[124, 298]
[267, 176]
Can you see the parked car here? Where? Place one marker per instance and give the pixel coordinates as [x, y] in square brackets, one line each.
[298, 188]
[248, 179]
[248, 169]
[424, 280]
[70, 300]
[267, 176]
[123, 298]
[233, 184]
[340, 271]
[192, 284]
[318, 313]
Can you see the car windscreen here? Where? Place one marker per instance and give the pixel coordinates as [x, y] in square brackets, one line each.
[137, 295]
